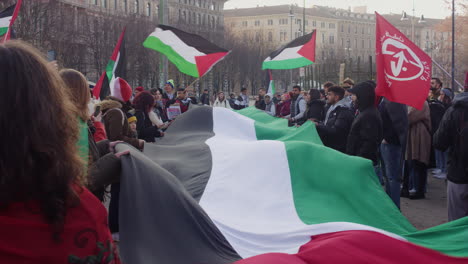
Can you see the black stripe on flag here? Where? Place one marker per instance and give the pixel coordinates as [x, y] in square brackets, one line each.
[193, 40]
[295, 43]
[8, 11]
[160, 219]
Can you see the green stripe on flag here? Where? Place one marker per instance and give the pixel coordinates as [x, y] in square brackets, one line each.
[329, 186]
[286, 64]
[110, 69]
[3, 31]
[183, 65]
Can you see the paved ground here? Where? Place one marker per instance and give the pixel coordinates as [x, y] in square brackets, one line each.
[427, 212]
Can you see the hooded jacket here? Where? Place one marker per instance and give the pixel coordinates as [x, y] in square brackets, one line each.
[366, 131]
[334, 133]
[453, 135]
[116, 123]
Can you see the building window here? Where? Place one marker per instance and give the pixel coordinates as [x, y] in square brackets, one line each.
[115, 5]
[244, 23]
[370, 44]
[355, 30]
[342, 28]
[349, 29]
[322, 24]
[104, 3]
[342, 42]
[148, 9]
[323, 37]
[257, 37]
[199, 19]
[95, 2]
[270, 36]
[331, 25]
[314, 23]
[362, 30]
[270, 22]
[137, 6]
[362, 44]
[125, 5]
[257, 23]
[331, 39]
[355, 43]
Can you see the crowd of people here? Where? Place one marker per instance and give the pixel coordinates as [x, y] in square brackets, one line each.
[405, 144]
[58, 152]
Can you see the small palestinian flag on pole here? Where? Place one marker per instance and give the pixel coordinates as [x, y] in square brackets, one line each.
[298, 53]
[7, 18]
[111, 80]
[190, 53]
[271, 83]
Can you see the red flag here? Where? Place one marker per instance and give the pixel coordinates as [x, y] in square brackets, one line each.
[403, 69]
[98, 87]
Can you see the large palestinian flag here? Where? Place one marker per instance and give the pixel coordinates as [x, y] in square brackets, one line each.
[223, 186]
[190, 53]
[7, 18]
[298, 53]
[116, 71]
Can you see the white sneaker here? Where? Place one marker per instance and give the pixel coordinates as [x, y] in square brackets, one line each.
[440, 176]
[436, 171]
[412, 191]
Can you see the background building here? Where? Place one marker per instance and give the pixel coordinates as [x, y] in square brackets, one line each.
[83, 33]
[343, 36]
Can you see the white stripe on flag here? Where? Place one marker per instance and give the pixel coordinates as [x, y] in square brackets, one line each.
[287, 54]
[249, 194]
[5, 21]
[169, 38]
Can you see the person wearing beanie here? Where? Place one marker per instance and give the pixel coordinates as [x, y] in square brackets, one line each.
[132, 123]
[169, 93]
[452, 135]
[366, 130]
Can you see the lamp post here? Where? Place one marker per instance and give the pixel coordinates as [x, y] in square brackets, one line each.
[453, 45]
[291, 16]
[163, 63]
[405, 18]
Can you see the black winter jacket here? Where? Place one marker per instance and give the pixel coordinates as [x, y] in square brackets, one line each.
[366, 131]
[335, 132]
[453, 135]
[145, 128]
[315, 110]
[437, 109]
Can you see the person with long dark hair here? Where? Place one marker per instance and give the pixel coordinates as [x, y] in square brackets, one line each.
[315, 110]
[146, 127]
[46, 213]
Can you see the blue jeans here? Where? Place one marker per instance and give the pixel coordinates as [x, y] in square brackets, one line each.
[391, 156]
[441, 160]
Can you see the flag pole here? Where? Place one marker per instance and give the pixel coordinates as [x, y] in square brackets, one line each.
[196, 80]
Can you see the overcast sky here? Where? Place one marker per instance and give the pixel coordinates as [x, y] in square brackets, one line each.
[428, 8]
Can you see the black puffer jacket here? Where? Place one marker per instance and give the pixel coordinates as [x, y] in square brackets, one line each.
[366, 131]
[453, 135]
[315, 110]
[334, 132]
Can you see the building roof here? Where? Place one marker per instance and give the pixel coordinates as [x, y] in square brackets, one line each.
[323, 11]
[317, 11]
[395, 19]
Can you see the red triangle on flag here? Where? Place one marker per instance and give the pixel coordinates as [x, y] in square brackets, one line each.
[308, 50]
[206, 62]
